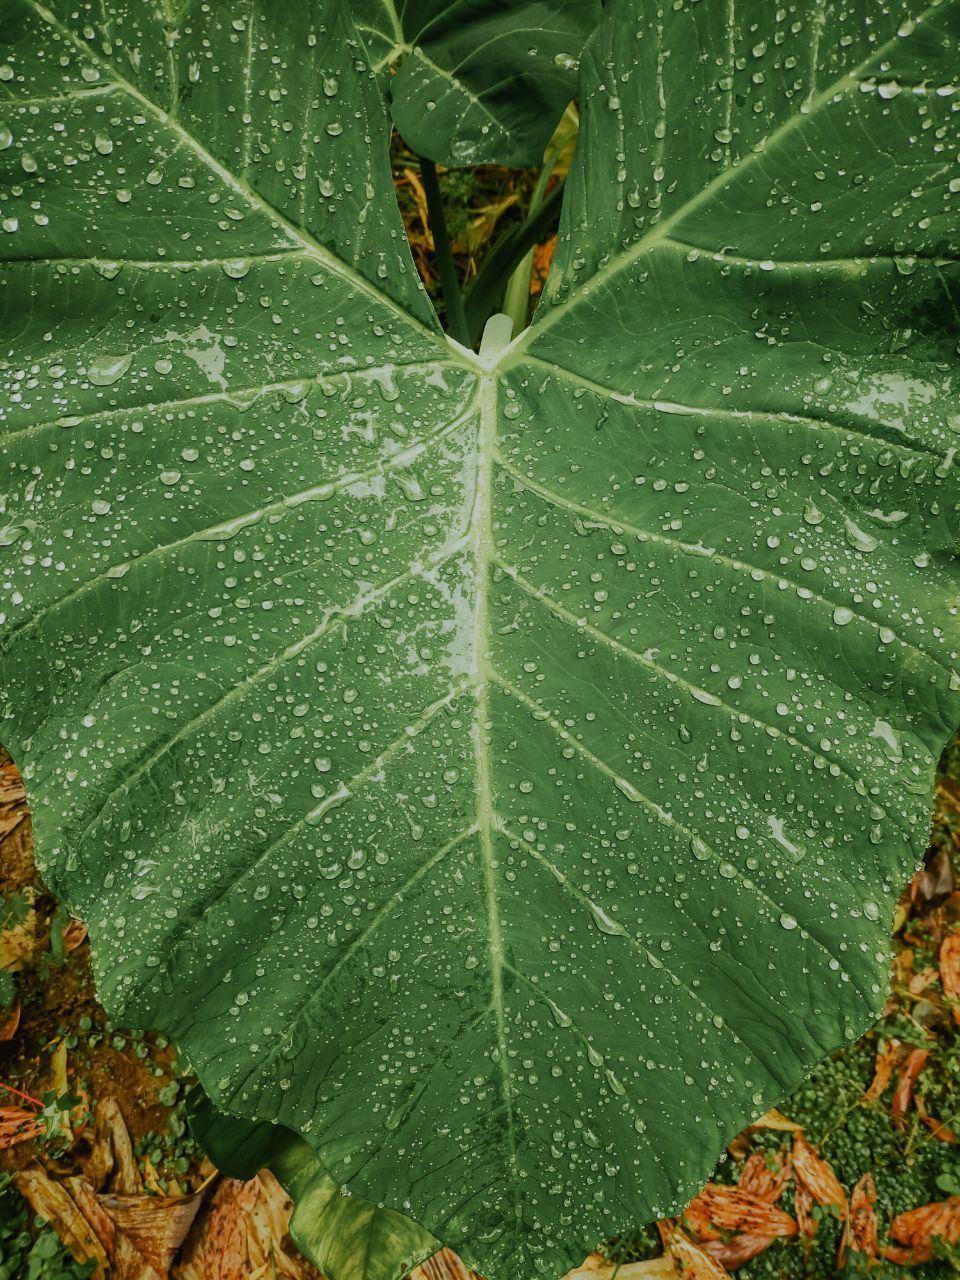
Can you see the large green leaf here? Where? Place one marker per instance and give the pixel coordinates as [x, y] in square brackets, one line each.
[498, 769]
[476, 80]
[347, 1237]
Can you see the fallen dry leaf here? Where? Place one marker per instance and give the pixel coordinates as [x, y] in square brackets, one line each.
[444, 1265]
[74, 934]
[719, 1210]
[950, 971]
[9, 1021]
[53, 1203]
[19, 1125]
[936, 1127]
[17, 943]
[760, 1179]
[920, 981]
[13, 800]
[814, 1174]
[689, 1259]
[112, 1165]
[149, 1229]
[934, 881]
[803, 1207]
[906, 1081]
[738, 1250]
[860, 1228]
[597, 1267]
[269, 1223]
[888, 1055]
[918, 1228]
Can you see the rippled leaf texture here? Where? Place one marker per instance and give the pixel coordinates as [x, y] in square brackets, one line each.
[346, 1236]
[499, 770]
[477, 81]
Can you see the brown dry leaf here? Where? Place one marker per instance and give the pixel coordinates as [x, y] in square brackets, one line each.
[860, 1228]
[812, 1172]
[269, 1226]
[13, 800]
[690, 1261]
[913, 1064]
[950, 971]
[216, 1248]
[888, 1055]
[149, 1230]
[719, 1210]
[112, 1164]
[760, 1179]
[444, 1265]
[934, 881]
[803, 1208]
[597, 1267]
[920, 981]
[53, 1203]
[74, 934]
[936, 1127]
[19, 1125]
[9, 1021]
[487, 216]
[918, 1228]
[17, 945]
[774, 1119]
[542, 258]
[738, 1250]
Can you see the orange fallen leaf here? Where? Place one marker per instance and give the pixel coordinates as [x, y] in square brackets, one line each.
[19, 1125]
[906, 1081]
[860, 1228]
[950, 971]
[690, 1260]
[763, 1180]
[719, 1210]
[887, 1058]
[9, 1021]
[918, 1228]
[738, 1250]
[936, 1127]
[13, 800]
[920, 981]
[815, 1175]
[803, 1207]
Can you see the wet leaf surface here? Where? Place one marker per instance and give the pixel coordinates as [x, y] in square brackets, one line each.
[553, 729]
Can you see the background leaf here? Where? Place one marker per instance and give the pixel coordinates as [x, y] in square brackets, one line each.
[477, 82]
[345, 1236]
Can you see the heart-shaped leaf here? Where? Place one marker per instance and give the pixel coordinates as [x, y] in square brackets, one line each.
[499, 769]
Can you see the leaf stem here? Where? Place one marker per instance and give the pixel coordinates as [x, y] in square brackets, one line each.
[487, 288]
[25, 1096]
[449, 284]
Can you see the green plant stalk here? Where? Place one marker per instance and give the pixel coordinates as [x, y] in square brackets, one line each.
[487, 289]
[516, 296]
[449, 284]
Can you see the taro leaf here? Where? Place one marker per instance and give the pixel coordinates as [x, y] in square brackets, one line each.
[500, 770]
[347, 1237]
[477, 81]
